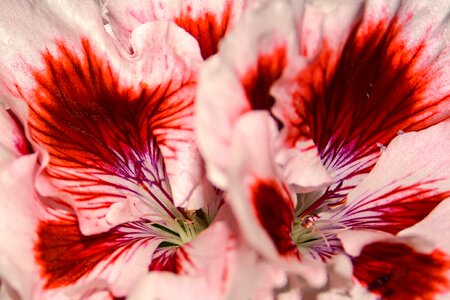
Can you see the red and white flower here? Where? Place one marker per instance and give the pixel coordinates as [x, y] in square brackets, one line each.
[101, 179]
[110, 122]
[325, 123]
[333, 118]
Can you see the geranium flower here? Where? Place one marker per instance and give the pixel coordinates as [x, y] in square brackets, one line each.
[101, 179]
[315, 106]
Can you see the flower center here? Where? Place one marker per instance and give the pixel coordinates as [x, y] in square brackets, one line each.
[313, 230]
[189, 228]
[304, 230]
[180, 230]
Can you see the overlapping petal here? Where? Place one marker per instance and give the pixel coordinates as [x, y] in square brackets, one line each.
[316, 99]
[401, 190]
[238, 80]
[203, 269]
[263, 204]
[44, 254]
[216, 265]
[207, 21]
[336, 95]
[358, 84]
[311, 115]
[417, 258]
[117, 127]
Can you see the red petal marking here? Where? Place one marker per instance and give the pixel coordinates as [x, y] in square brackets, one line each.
[396, 271]
[347, 102]
[409, 205]
[170, 259]
[324, 247]
[165, 259]
[275, 212]
[65, 255]
[208, 29]
[23, 146]
[258, 80]
[92, 125]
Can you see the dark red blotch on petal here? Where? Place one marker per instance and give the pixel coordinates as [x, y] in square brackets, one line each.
[170, 259]
[65, 255]
[350, 101]
[259, 79]
[396, 271]
[208, 29]
[83, 115]
[165, 259]
[95, 126]
[275, 212]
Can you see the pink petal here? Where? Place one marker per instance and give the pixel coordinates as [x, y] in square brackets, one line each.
[353, 241]
[119, 256]
[43, 253]
[215, 265]
[414, 265]
[207, 21]
[118, 129]
[170, 286]
[15, 224]
[262, 203]
[202, 268]
[410, 179]
[376, 68]
[239, 79]
[13, 142]
[433, 228]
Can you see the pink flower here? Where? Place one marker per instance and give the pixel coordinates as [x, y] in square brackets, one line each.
[333, 120]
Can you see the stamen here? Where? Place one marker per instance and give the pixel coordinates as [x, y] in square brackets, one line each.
[308, 222]
[339, 203]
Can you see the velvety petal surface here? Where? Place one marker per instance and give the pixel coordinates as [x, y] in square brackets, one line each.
[215, 265]
[433, 227]
[262, 203]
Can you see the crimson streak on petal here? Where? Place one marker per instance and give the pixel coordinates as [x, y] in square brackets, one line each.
[396, 271]
[65, 255]
[103, 137]
[207, 29]
[165, 259]
[405, 206]
[23, 146]
[275, 212]
[258, 80]
[352, 101]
